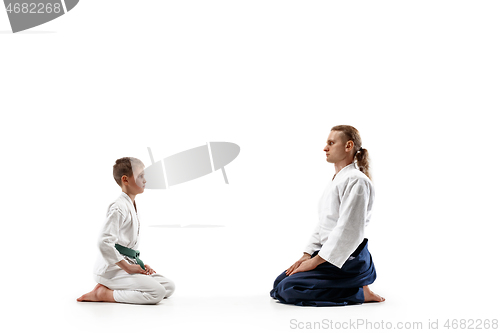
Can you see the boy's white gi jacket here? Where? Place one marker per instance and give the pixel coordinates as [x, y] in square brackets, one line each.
[344, 211]
[121, 227]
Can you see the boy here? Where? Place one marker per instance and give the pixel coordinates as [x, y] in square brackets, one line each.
[120, 273]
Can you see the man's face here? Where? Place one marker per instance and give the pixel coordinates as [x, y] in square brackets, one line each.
[336, 150]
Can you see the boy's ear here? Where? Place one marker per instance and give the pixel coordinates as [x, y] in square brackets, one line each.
[124, 179]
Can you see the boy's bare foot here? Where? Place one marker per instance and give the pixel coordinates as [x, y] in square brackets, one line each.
[99, 294]
[370, 296]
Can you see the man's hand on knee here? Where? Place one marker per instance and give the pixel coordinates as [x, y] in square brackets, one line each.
[308, 265]
[305, 257]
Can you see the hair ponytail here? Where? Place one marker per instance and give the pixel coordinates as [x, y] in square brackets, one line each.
[361, 156]
[363, 161]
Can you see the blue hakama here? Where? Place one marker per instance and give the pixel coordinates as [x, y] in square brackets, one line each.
[328, 285]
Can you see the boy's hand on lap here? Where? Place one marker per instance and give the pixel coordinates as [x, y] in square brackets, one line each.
[131, 269]
[149, 270]
[135, 269]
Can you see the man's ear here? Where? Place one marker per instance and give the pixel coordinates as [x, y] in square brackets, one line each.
[349, 145]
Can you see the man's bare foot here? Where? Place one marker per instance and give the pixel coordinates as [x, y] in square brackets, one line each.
[99, 294]
[370, 296]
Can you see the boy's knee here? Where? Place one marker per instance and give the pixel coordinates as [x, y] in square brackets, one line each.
[155, 295]
[152, 291]
[165, 289]
[169, 288]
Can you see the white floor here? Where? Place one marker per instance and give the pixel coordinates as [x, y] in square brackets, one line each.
[225, 314]
[228, 291]
[233, 313]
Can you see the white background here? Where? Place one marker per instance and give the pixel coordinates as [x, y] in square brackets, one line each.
[419, 80]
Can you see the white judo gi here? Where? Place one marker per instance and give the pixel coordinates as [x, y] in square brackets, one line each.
[122, 227]
[344, 211]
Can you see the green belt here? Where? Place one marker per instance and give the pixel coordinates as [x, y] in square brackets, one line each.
[131, 254]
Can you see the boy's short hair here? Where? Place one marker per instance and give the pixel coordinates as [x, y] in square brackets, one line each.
[123, 166]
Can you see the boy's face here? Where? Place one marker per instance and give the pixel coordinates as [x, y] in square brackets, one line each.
[137, 183]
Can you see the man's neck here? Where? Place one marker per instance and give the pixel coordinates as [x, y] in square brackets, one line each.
[342, 164]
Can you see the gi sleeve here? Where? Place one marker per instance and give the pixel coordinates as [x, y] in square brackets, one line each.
[314, 243]
[349, 230]
[109, 236]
